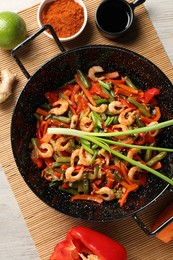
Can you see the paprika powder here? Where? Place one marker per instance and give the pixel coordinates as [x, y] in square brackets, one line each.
[65, 16]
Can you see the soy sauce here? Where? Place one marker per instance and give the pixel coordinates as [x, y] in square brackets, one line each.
[113, 17]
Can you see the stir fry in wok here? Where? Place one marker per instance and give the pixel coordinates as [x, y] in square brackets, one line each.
[90, 168]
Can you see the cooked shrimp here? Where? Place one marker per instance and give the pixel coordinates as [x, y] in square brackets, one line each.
[132, 152]
[84, 157]
[49, 150]
[74, 121]
[116, 107]
[74, 154]
[105, 154]
[86, 124]
[101, 109]
[132, 172]
[59, 107]
[122, 128]
[127, 117]
[106, 193]
[153, 133]
[93, 70]
[62, 143]
[72, 176]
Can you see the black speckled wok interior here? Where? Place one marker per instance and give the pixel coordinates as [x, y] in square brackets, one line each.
[54, 74]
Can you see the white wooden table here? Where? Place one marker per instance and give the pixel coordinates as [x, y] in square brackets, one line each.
[15, 240]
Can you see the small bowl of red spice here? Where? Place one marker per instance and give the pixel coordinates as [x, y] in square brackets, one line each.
[67, 17]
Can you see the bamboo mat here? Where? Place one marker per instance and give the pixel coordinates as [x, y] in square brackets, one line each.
[47, 226]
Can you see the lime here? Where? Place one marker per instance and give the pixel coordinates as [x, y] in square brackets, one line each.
[12, 30]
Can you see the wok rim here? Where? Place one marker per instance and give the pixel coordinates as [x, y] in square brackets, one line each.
[16, 159]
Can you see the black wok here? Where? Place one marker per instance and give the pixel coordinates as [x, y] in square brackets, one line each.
[55, 73]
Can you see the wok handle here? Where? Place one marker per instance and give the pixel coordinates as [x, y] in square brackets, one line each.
[146, 230]
[14, 51]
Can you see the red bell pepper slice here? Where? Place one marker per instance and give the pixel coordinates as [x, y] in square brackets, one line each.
[96, 89]
[81, 239]
[149, 94]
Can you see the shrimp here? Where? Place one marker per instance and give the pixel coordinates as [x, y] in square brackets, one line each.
[93, 70]
[72, 176]
[74, 154]
[106, 193]
[106, 155]
[49, 150]
[101, 109]
[132, 152]
[127, 117]
[86, 124]
[131, 174]
[153, 133]
[74, 121]
[123, 128]
[59, 107]
[84, 157]
[116, 107]
[62, 144]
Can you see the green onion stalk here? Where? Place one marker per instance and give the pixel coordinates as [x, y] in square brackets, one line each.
[101, 139]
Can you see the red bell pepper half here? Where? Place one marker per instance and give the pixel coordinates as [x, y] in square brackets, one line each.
[82, 241]
[148, 95]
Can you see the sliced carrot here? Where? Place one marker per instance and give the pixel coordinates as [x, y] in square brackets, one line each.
[86, 92]
[41, 112]
[87, 197]
[110, 183]
[129, 189]
[117, 81]
[125, 174]
[157, 166]
[127, 88]
[46, 138]
[166, 234]
[122, 92]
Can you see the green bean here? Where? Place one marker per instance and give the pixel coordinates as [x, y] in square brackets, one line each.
[86, 186]
[101, 101]
[96, 119]
[117, 176]
[92, 176]
[118, 194]
[115, 121]
[62, 119]
[72, 143]
[94, 146]
[86, 148]
[34, 142]
[94, 157]
[47, 117]
[139, 122]
[46, 106]
[109, 120]
[63, 159]
[69, 190]
[105, 85]
[37, 116]
[84, 79]
[140, 106]
[129, 82]
[58, 164]
[148, 154]
[156, 159]
[106, 91]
